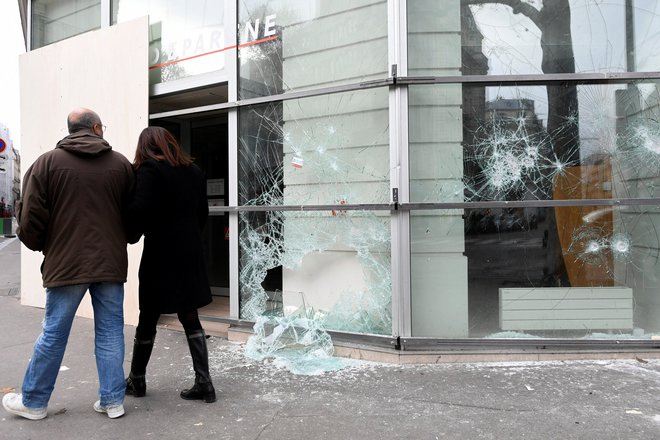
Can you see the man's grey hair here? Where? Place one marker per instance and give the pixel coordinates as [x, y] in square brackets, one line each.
[84, 121]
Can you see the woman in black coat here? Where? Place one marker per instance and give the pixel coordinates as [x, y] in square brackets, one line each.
[170, 209]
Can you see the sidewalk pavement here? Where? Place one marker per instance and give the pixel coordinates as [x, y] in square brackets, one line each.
[259, 400]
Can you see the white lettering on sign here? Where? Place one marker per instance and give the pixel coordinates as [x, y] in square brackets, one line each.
[252, 29]
[269, 26]
[205, 41]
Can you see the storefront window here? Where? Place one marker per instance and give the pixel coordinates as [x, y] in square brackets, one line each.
[574, 270]
[334, 263]
[565, 141]
[55, 20]
[289, 45]
[493, 38]
[186, 38]
[502, 278]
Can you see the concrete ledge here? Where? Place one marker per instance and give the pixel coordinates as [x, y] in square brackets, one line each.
[239, 334]
[392, 356]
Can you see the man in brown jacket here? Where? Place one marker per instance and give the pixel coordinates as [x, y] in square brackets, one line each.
[71, 210]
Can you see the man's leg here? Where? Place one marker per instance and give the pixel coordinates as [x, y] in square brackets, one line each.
[108, 303]
[39, 380]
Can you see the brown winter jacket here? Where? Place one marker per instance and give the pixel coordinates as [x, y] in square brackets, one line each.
[73, 201]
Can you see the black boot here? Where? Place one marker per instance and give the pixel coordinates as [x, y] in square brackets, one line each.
[136, 384]
[203, 388]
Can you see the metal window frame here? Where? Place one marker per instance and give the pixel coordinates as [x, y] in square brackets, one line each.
[231, 69]
[28, 21]
[400, 208]
[426, 206]
[530, 345]
[399, 181]
[106, 13]
[402, 82]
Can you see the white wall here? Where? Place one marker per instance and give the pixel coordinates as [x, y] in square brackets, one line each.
[438, 268]
[106, 71]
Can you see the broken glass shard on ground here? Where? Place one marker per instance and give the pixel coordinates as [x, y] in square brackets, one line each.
[297, 342]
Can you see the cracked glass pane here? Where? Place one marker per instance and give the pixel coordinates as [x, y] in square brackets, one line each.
[477, 37]
[471, 143]
[332, 150]
[293, 45]
[569, 271]
[334, 264]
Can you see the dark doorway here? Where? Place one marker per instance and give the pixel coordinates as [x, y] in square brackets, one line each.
[205, 138]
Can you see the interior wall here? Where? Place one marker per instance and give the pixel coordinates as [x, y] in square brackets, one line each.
[438, 265]
[106, 71]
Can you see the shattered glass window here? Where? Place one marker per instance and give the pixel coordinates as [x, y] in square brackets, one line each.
[599, 279]
[476, 37]
[331, 265]
[305, 272]
[581, 269]
[564, 141]
[287, 45]
[569, 271]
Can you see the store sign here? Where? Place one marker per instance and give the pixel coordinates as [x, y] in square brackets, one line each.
[207, 41]
[254, 31]
[197, 41]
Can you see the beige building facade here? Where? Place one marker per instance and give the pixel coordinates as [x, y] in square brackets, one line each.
[411, 174]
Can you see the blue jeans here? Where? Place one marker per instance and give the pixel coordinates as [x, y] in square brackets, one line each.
[61, 306]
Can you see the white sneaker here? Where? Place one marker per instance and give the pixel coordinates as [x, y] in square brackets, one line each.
[13, 403]
[113, 410]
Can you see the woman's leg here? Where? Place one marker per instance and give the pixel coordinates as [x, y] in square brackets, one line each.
[190, 321]
[145, 334]
[203, 388]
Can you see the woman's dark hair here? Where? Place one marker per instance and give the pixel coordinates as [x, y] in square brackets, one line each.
[157, 143]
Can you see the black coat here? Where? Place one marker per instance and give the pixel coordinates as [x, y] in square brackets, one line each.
[170, 209]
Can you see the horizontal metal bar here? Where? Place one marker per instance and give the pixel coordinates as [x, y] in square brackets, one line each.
[263, 208]
[217, 210]
[365, 85]
[468, 345]
[192, 110]
[537, 79]
[473, 344]
[385, 341]
[530, 204]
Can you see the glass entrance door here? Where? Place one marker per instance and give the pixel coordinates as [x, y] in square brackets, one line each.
[205, 139]
[208, 146]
